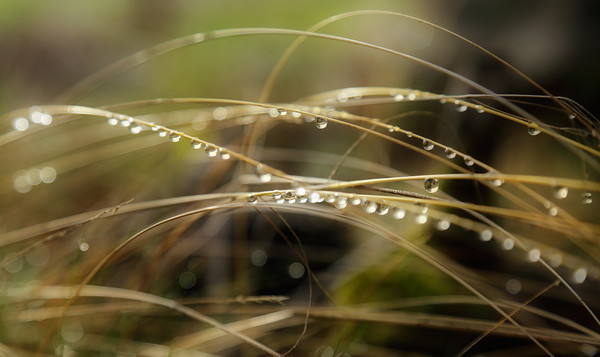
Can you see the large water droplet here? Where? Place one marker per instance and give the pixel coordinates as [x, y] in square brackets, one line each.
[469, 161]
[263, 175]
[479, 109]
[382, 209]
[224, 154]
[442, 225]
[451, 154]
[277, 197]
[421, 219]
[587, 198]
[113, 121]
[314, 197]
[135, 129]
[485, 235]
[431, 185]
[461, 108]
[534, 255]
[289, 197]
[579, 275]
[125, 123]
[370, 207]
[195, 144]
[162, 133]
[341, 202]
[560, 192]
[211, 151]
[174, 137]
[320, 123]
[533, 129]
[508, 244]
[427, 145]
[399, 213]
[252, 199]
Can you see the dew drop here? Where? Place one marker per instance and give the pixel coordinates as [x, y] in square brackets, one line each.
[112, 121]
[560, 192]
[289, 197]
[431, 185]
[341, 202]
[579, 275]
[252, 199]
[219, 113]
[21, 124]
[533, 129]
[370, 207]
[399, 213]
[355, 201]
[534, 255]
[135, 129]
[479, 109]
[263, 175]
[195, 144]
[224, 154]
[382, 209]
[125, 123]
[314, 197]
[555, 260]
[211, 151]
[461, 108]
[572, 117]
[48, 174]
[469, 161]
[296, 114]
[486, 235]
[508, 244]
[496, 182]
[330, 198]
[552, 210]
[320, 123]
[174, 137]
[162, 133]
[259, 257]
[277, 197]
[443, 101]
[409, 134]
[273, 112]
[513, 286]
[421, 219]
[442, 225]
[302, 198]
[83, 245]
[451, 154]
[427, 145]
[398, 97]
[296, 270]
[587, 198]
[411, 96]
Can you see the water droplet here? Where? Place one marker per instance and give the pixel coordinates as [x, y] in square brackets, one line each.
[442, 225]
[219, 113]
[398, 97]
[162, 133]
[461, 108]
[443, 101]
[431, 185]
[302, 198]
[508, 244]
[560, 192]
[587, 198]
[513, 286]
[174, 137]
[342, 97]
[135, 129]
[224, 154]
[329, 198]
[355, 201]
[427, 145]
[211, 151]
[46, 119]
[421, 219]
[320, 123]
[125, 123]
[83, 245]
[48, 174]
[258, 257]
[263, 175]
[296, 114]
[341, 202]
[409, 134]
[277, 197]
[314, 197]
[552, 210]
[534, 255]
[382, 209]
[579, 275]
[370, 207]
[20, 124]
[273, 112]
[555, 260]
[451, 154]
[496, 182]
[485, 235]
[154, 127]
[533, 129]
[411, 96]
[423, 207]
[289, 197]
[33, 177]
[479, 109]
[252, 199]
[399, 213]
[195, 144]
[296, 270]
[572, 117]
[469, 161]
[112, 121]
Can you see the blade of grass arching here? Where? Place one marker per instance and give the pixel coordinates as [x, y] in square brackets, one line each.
[512, 313]
[165, 302]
